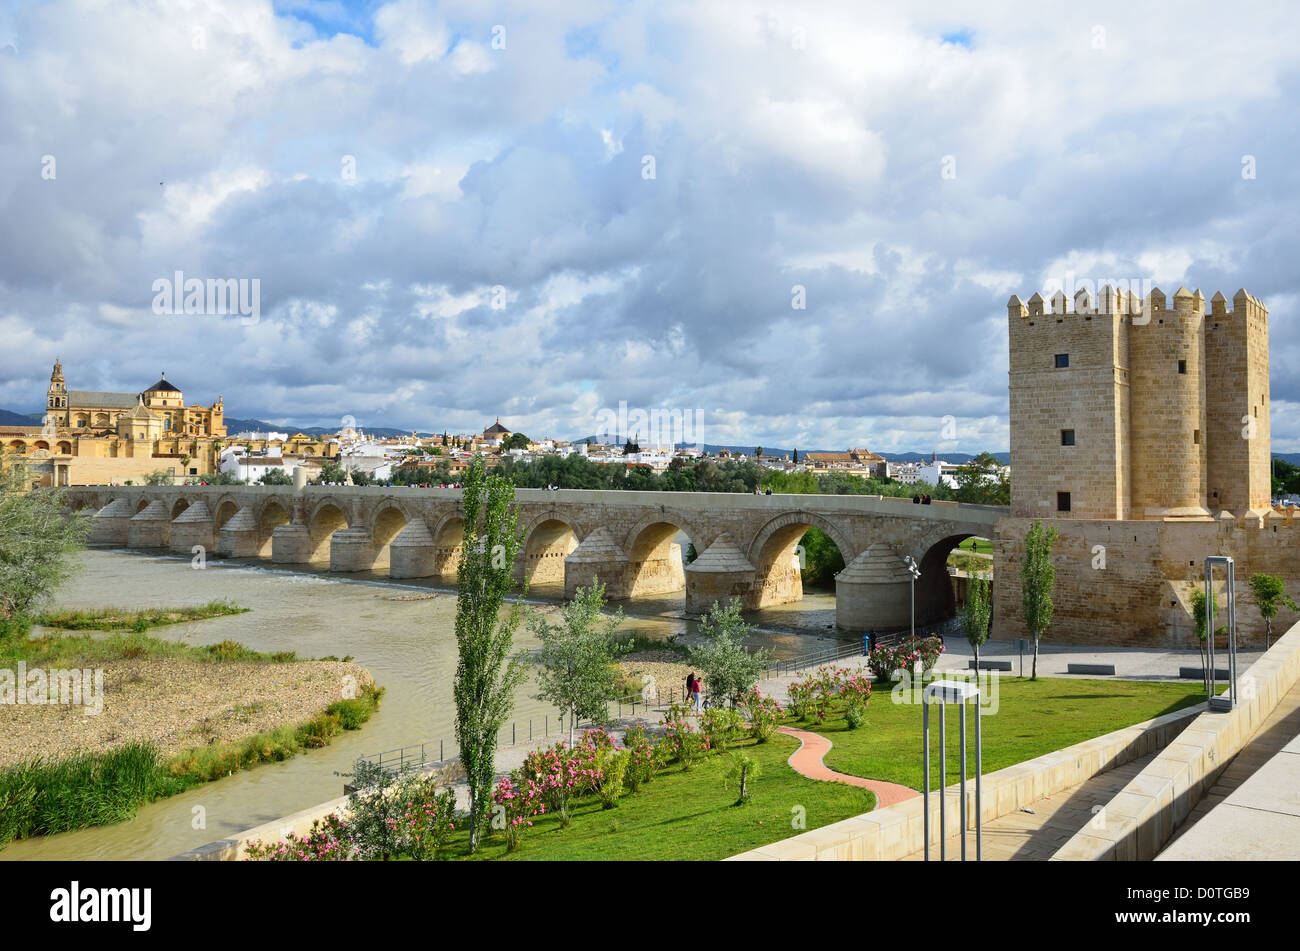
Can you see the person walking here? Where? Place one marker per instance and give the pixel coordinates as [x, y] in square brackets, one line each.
[690, 688]
[695, 691]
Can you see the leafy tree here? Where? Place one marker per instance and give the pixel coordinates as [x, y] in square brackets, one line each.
[577, 672]
[185, 460]
[1269, 596]
[822, 559]
[276, 477]
[219, 478]
[36, 542]
[728, 667]
[332, 471]
[758, 452]
[983, 481]
[486, 676]
[974, 613]
[1201, 619]
[630, 447]
[743, 769]
[1037, 579]
[796, 457]
[516, 441]
[158, 477]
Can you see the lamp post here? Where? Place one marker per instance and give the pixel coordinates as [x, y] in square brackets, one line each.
[915, 571]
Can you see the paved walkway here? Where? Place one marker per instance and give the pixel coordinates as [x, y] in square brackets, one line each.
[1035, 836]
[1252, 811]
[807, 761]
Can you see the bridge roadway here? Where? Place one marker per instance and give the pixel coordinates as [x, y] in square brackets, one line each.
[747, 545]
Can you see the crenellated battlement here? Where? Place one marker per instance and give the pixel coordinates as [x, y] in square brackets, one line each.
[1113, 301]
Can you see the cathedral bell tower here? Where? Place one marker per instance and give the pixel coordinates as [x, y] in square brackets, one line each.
[56, 398]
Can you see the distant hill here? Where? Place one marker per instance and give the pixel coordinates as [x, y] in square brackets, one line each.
[236, 425]
[775, 451]
[8, 418]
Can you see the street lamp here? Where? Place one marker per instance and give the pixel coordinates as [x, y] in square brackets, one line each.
[915, 571]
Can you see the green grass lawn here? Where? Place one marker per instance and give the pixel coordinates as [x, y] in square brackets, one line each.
[1033, 718]
[125, 619]
[980, 546]
[687, 815]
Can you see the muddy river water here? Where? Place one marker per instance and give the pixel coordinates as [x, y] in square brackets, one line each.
[408, 645]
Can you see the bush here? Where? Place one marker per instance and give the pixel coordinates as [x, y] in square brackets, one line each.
[641, 760]
[721, 725]
[612, 765]
[763, 714]
[682, 741]
[515, 801]
[328, 841]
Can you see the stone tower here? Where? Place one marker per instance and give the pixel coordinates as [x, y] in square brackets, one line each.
[56, 397]
[1131, 409]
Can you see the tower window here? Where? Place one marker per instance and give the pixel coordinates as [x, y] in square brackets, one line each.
[1062, 501]
[1196, 437]
[1067, 437]
[1062, 360]
[1182, 366]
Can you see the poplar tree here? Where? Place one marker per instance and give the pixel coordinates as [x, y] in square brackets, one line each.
[1037, 579]
[486, 674]
[974, 613]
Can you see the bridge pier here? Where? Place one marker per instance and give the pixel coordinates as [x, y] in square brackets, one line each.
[111, 524]
[239, 536]
[663, 574]
[352, 549]
[598, 558]
[719, 574]
[413, 553]
[782, 582]
[192, 527]
[291, 544]
[874, 592]
[150, 527]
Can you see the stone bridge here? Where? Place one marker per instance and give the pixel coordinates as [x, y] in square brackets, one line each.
[747, 545]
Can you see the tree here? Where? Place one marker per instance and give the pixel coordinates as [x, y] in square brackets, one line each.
[158, 477]
[36, 542]
[983, 481]
[1269, 596]
[974, 613]
[758, 452]
[516, 441]
[185, 460]
[728, 667]
[331, 471]
[577, 670]
[486, 676]
[1201, 620]
[744, 768]
[630, 447]
[1037, 579]
[796, 457]
[276, 477]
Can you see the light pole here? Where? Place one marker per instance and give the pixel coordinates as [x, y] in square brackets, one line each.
[915, 571]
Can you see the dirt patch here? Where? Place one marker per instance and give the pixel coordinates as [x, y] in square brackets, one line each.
[177, 704]
[667, 668]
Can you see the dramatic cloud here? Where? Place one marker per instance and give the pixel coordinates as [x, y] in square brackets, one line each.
[540, 209]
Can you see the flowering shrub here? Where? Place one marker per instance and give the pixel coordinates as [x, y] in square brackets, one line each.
[817, 692]
[884, 659]
[516, 800]
[328, 841]
[763, 714]
[641, 760]
[612, 764]
[429, 822]
[721, 725]
[682, 740]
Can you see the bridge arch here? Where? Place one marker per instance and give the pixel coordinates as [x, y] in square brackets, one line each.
[656, 561]
[448, 539]
[387, 522]
[778, 575]
[548, 539]
[179, 506]
[326, 519]
[936, 599]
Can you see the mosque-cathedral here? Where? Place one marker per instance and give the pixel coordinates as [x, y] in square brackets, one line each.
[97, 437]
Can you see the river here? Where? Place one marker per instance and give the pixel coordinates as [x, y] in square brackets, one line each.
[408, 645]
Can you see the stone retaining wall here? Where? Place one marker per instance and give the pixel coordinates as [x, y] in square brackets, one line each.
[1143, 817]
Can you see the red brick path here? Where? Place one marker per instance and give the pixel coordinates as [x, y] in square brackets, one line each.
[807, 761]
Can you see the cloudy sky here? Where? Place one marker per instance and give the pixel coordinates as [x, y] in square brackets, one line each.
[537, 210]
